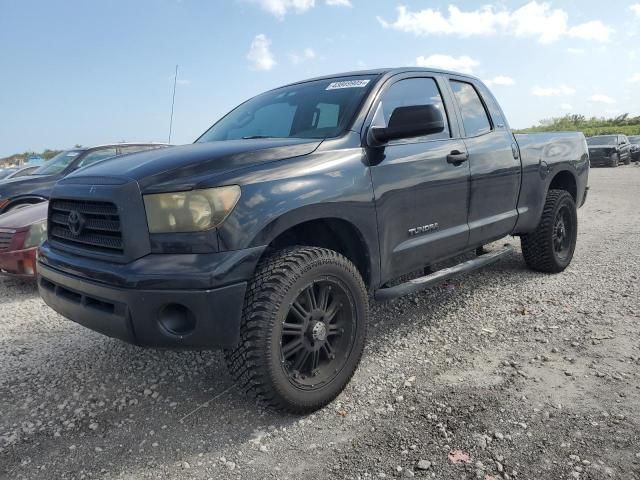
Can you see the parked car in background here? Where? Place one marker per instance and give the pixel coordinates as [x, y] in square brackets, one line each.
[609, 150]
[635, 147]
[21, 233]
[22, 172]
[5, 172]
[35, 188]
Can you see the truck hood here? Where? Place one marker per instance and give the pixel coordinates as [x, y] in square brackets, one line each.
[25, 185]
[188, 166]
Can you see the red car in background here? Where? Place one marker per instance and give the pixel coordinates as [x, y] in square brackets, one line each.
[21, 233]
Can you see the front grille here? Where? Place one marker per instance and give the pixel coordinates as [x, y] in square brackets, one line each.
[6, 236]
[86, 224]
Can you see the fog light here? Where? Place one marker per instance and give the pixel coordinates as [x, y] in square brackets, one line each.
[177, 319]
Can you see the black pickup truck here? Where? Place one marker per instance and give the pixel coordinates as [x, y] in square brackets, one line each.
[609, 150]
[267, 235]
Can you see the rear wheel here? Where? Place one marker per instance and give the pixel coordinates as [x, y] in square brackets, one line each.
[303, 329]
[551, 246]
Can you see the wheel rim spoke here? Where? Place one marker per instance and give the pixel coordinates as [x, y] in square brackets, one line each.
[301, 360]
[292, 348]
[331, 311]
[312, 301]
[292, 329]
[315, 360]
[299, 311]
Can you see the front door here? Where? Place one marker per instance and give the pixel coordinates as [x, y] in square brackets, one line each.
[421, 185]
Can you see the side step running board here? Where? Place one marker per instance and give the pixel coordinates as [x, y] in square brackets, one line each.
[417, 284]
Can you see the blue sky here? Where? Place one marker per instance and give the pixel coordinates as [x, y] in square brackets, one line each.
[92, 72]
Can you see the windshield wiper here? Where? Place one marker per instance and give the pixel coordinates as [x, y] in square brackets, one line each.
[251, 137]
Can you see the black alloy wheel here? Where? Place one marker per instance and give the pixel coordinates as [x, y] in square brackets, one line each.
[318, 334]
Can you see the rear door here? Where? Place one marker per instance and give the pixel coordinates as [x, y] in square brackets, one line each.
[421, 198]
[494, 162]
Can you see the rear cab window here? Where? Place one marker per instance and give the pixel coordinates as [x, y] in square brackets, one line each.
[475, 119]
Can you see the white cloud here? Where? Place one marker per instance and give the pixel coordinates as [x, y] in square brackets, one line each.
[635, 78]
[635, 8]
[280, 8]
[594, 30]
[260, 55]
[566, 106]
[500, 80]
[576, 51]
[602, 99]
[462, 64]
[307, 54]
[553, 91]
[534, 20]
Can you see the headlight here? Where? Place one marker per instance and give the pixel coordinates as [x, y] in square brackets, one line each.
[37, 234]
[193, 211]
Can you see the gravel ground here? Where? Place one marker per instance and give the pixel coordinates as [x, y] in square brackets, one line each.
[501, 374]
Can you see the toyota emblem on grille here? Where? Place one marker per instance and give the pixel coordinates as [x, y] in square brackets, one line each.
[75, 222]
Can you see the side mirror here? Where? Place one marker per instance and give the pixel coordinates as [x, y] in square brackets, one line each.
[408, 122]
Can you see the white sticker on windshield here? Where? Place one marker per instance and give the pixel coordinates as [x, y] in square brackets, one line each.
[348, 84]
[73, 154]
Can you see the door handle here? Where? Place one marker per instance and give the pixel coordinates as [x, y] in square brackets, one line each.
[457, 157]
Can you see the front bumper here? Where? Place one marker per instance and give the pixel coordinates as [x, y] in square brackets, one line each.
[20, 263]
[174, 305]
[600, 161]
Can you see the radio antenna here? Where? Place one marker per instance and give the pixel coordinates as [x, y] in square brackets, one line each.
[173, 101]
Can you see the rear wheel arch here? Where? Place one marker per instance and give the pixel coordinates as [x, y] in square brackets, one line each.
[565, 180]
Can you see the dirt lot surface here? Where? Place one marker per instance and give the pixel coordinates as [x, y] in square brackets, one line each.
[505, 373]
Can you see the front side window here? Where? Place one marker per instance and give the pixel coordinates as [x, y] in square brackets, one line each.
[474, 116]
[58, 163]
[407, 93]
[97, 155]
[316, 109]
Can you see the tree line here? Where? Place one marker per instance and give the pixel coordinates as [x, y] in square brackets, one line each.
[20, 158]
[622, 124]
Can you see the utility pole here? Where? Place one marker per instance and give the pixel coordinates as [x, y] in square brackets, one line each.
[173, 101]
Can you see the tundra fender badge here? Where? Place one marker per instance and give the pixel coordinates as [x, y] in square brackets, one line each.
[432, 227]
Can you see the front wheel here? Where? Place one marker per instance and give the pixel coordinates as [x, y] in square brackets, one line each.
[615, 160]
[303, 329]
[551, 246]
[627, 160]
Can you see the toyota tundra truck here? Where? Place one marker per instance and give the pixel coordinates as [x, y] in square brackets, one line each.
[270, 234]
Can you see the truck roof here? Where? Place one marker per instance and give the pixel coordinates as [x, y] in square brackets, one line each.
[381, 72]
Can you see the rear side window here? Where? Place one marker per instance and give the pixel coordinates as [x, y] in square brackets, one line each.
[474, 116]
[411, 92]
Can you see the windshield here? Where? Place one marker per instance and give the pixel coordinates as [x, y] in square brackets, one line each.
[603, 140]
[317, 109]
[58, 163]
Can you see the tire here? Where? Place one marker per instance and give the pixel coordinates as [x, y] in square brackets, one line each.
[615, 160]
[628, 160]
[278, 317]
[551, 246]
